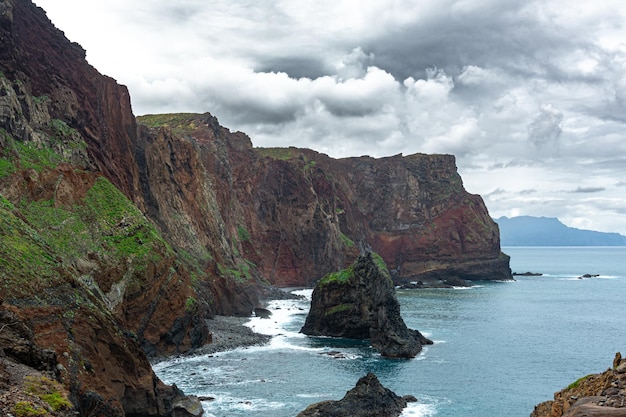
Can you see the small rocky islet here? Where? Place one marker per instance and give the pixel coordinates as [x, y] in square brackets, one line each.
[360, 303]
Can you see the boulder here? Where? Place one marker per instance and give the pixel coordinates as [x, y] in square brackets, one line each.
[188, 406]
[360, 303]
[367, 399]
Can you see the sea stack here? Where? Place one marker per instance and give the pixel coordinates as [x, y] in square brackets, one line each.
[360, 303]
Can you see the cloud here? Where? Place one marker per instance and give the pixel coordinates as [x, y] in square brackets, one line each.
[588, 190]
[529, 95]
[545, 129]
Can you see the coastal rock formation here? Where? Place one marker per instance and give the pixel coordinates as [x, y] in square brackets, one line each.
[596, 395]
[367, 399]
[85, 278]
[296, 214]
[360, 303]
[122, 236]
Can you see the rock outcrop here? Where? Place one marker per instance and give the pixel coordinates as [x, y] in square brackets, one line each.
[367, 399]
[596, 395]
[360, 303]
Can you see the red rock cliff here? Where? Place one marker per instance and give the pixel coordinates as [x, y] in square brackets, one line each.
[297, 215]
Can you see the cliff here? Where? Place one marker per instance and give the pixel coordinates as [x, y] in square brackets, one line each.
[297, 215]
[120, 238]
[602, 395]
[360, 303]
[84, 274]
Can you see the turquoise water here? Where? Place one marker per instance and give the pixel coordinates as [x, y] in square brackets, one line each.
[500, 347]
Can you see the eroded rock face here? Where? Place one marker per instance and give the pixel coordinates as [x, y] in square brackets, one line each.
[360, 303]
[297, 214]
[601, 395]
[367, 399]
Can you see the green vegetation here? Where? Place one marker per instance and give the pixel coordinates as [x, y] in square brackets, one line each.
[25, 155]
[63, 229]
[7, 167]
[283, 154]
[337, 277]
[38, 237]
[6, 204]
[28, 409]
[40, 99]
[243, 234]
[191, 304]
[339, 308]
[27, 263]
[122, 225]
[382, 265]
[240, 273]
[347, 241]
[576, 383]
[49, 391]
[179, 123]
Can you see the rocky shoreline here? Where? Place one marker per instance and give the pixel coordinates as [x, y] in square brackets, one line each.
[226, 333]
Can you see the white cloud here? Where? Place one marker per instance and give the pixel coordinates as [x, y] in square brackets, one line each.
[529, 95]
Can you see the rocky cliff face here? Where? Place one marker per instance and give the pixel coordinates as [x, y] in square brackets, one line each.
[360, 303]
[120, 237]
[297, 215]
[601, 395]
[82, 271]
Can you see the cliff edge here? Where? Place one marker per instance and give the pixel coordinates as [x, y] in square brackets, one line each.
[601, 395]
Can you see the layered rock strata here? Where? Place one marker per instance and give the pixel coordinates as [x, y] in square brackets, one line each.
[369, 398]
[601, 395]
[360, 303]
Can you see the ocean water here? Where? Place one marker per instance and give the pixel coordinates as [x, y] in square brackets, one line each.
[500, 347]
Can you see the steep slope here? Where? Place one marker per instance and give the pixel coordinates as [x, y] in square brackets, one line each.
[82, 269]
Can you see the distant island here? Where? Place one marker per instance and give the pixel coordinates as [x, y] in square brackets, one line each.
[549, 231]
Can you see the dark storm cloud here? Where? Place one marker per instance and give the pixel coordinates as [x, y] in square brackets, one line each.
[508, 35]
[296, 67]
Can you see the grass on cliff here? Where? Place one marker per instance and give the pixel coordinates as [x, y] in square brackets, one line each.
[17, 155]
[20, 155]
[28, 264]
[287, 154]
[577, 383]
[340, 277]
[37, 238]
[49, 391]
[347, 274]
[179, 123]
[340, 308]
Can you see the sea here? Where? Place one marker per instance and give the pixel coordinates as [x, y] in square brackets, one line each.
[499, 348]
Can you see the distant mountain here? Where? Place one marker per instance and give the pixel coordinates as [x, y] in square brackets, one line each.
[549, 231]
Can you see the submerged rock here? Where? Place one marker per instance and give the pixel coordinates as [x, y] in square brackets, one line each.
[360, 303]
[367, 399]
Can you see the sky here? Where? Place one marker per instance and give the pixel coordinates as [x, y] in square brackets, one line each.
[530, 96]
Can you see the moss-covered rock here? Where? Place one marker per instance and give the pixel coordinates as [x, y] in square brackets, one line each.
[360, 303]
